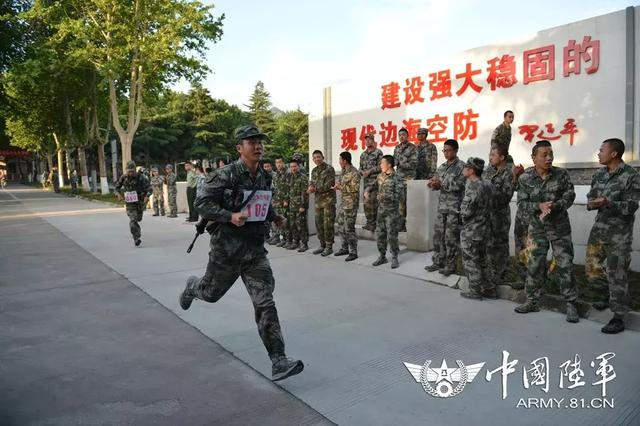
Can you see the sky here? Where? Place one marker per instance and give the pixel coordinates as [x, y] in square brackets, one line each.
[299, 47]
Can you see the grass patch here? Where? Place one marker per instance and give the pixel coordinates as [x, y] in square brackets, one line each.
[97, 196]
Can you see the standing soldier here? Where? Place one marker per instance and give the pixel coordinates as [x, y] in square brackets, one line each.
[298, 205]
[280, 197]
[157, 182]
[172, 191]
[615, 192]
[406, 159]
[499, 181]
[450, 181]
[370, 168]
[545, 193]
[323, 178]
[136, 189]
[389, 192]
[349, 187]
[427, 156]
[237, 198]
[501, 135]
[473, 212]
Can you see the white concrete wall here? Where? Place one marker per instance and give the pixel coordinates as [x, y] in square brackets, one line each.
[181, 199]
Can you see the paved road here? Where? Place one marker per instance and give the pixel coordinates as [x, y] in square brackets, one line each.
[355, 325]
[80, 344]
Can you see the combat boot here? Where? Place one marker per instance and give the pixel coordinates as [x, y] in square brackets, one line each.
[138, 242]
[293, 246]
[432, 268]
[285, 367]
[471, 295]
[187, 296]
[446, 271]
[527, 307]
[600, 305]
[343, 251]
[155, 214]
[490, 294]
[162, 214]
[616, 325]
[303, 247]
[517, 285]
[319, 250]
[394, 262]
[572, 312]
[282, 243]
[380, 260]
[326, 252]
[272, 241]
[352, 256]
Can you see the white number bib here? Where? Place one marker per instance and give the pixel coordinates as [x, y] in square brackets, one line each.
[256, 210]
[130, 197]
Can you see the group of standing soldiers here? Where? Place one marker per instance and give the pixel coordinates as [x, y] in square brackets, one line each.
[474, 216]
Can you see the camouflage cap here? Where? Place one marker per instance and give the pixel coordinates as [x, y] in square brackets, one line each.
[475, 163]
[169, 166]
[131, 166]
[248, 132]
[369, 136]
[154, 169]
[423, 131]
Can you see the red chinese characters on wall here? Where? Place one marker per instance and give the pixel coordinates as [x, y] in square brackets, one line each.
[548, 132]
[538, 64]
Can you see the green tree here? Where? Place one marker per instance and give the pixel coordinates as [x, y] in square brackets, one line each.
[260, 109]
[291, 134]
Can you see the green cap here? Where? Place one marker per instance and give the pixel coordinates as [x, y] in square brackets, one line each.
[475, 163]
[248, 132]
[131, 166]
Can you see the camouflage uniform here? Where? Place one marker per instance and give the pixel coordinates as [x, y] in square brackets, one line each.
[157, 183]
[554, 230]
[349, 200]
[370, 160]
[172, 193]
[323, 178]
[427, 160]
[474, 216]
[280, 197]
[140, 184]
[389, 187]
[501, 136]
[446, 233]
[500, 184]
[298, 198]
[406, 162]
[238, 251]
[520, 232]
[609, 246]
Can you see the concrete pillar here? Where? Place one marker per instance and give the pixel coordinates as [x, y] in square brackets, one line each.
[422, 206]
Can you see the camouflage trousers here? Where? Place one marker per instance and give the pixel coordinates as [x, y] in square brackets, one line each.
[347, 230]
[387, 229]
[285, 231]
[299, 230]
[474, 262]
[607, 266]
[538, 242]
[231, 258]
[325, 221]
[446, 240]
[498, 246]
[520, 231]
[158, 201]
[403, 204]
[134, 211]
[371, 207]
[172, 193]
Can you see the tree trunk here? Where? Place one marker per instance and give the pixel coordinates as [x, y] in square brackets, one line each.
[126, 143]
[69, 160]
[49, 157]
[82, 159]
[61, 167]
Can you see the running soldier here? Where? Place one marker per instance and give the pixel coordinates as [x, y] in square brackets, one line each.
[135, 188]
[236, 201]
